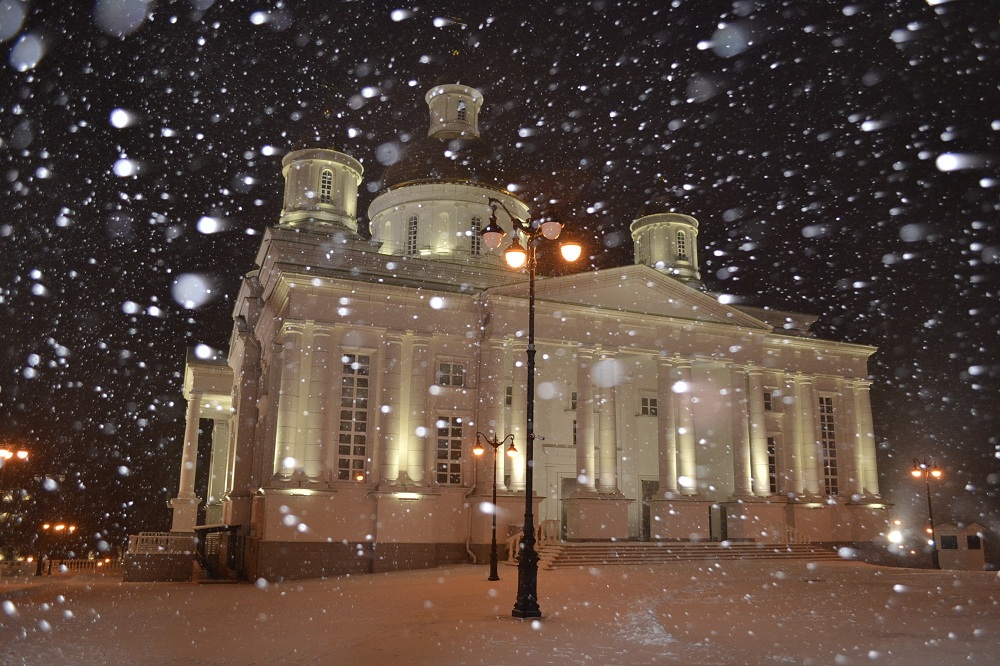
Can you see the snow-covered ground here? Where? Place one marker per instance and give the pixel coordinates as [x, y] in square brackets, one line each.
[739, 612]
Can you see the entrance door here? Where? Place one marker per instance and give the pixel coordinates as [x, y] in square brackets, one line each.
[650, 490]
[567, 486]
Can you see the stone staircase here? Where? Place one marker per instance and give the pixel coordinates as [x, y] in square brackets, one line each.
[563, 555]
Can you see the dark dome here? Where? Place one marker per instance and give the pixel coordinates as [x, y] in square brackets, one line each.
[436, 159]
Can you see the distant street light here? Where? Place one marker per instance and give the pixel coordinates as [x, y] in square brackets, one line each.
[517, 256]
[8, 454]
[478, 451]
[928, 469]
[50, 531]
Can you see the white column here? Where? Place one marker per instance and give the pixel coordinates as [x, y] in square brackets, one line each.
[687, 456]
[519, 422]
[317, 436]
[608, 428]
[289, 428]
[420, 423]
[758, 432]
[866, 431]
[189, 454]
[217, 463]
[855, 474]
[389, 407]
[666, 426]
[585, 468]
[812, 469]
[741, 433]
[790, 402]
[185, 505]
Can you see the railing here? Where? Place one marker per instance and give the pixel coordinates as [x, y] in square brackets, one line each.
[82, 566]
[789, 534]
[546, 534]
[146, 543]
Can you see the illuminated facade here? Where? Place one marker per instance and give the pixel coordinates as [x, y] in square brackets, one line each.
[359, 372]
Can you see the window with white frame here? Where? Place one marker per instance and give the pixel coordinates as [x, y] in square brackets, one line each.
[769, 400]
[647, 406]
[682, 254]
[411, 235]
[828, 443]
[476, 236]
[449, 450]
[451, 374]
[352, 443]
[326, 186]
[772, 465]
[508, 396]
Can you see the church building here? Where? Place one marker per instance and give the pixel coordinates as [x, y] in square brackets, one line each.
[360, 371]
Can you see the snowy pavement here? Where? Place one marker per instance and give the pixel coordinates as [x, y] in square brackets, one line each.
[734, 612]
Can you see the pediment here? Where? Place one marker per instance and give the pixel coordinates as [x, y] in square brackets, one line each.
[637, 290]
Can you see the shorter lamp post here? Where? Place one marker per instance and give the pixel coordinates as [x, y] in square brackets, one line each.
[923, 468]
[478, 450]
[8, 454]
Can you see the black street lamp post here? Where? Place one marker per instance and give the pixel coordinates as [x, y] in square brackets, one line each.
[516, 256]
[478, 450]
[927, 469]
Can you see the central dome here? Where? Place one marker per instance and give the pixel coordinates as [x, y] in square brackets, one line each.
[437, 159]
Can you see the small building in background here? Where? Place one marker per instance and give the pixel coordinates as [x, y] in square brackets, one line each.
[960, 547]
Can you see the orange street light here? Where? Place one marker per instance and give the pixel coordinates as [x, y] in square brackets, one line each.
[928, 469]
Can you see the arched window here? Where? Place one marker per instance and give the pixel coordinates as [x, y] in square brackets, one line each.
[411, 235]
[326, 186]
[476, 237]
[462, 113]
[682, 254]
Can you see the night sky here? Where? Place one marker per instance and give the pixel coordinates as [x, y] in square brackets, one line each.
[842, 159]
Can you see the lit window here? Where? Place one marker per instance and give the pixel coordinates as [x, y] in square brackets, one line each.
[449, 450]
[326, 186]
[647, 406]
[451, 374]
[352, 443]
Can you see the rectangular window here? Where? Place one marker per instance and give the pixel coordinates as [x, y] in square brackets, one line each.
[768, 401]
[476, 236]
[949, 542]
[572, 400]
[451, 374]
[647, 407]
[508, 396]
[352, 437]
[411, 235]
[574, 433]
[772, 465]
[974, 542]
[449, 450]
[828, 442]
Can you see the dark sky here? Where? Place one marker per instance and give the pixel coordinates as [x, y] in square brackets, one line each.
[842, 159]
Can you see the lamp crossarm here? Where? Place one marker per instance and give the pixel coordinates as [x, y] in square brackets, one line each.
[521, 224]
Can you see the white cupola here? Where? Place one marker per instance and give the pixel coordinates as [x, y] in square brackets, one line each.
[454, 111]
[667, 242]
[321, 190]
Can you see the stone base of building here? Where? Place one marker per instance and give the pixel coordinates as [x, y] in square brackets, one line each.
[158, 567]
[756, 520]
[596, 517]
[284, 560]
[680, 519]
